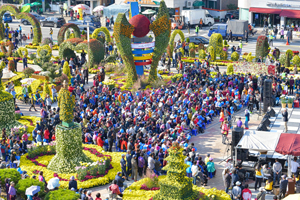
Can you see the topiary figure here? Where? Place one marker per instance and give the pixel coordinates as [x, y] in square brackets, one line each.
[262, 46]
[296, 60]
[282, 58]
[223, 55]
[202, 54]
[225, 44]
[216, 41]
[52, 69]
[290, 52]
[211, 50]
[28, 182]
[288, 60]
[66, 70]
[229, 70]
[249, 57]
[46, 90]
[235, 56]
[11, 65]
[192, 50]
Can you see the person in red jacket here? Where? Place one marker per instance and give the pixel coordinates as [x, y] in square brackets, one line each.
[46, 135]
[246, 193]
[100, 141]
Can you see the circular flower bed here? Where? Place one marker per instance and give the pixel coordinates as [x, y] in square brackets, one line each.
[39, 163]
[138, 191]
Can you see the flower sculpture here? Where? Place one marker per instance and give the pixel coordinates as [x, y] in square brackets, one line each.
[69, 152]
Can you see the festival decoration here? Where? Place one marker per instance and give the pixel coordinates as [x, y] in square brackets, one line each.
[141, 25]
[296, 60]
[253, 68]
[64, 28]
[211, 50]
[216, 41]
[10, 46]
[262, 46]
[202, 54]
[235, 56]
[21, 50]
[192, 50]
[104, 30]
[37, 33]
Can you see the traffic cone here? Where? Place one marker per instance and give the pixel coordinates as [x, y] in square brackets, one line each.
[28, 36]
[287, 42]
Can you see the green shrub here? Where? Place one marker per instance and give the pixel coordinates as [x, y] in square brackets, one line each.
[187, 40]
[235, 56]
[32, 56]
[290, 52]
[18, 116]
[83, 32]
[46, 41]
[192, 50]
[225, 44]
[229, 69]
[202, 54]
[282, 58]
[288, 59]
[62, 194]
[26, 183]
[28, 72]
[216, 41]
[13, 174]
[296, 60]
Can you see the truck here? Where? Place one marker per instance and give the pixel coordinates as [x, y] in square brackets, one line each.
[94, 21]
[194, 16]
[237, 27]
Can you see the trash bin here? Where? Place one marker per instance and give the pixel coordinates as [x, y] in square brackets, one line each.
[276, 190]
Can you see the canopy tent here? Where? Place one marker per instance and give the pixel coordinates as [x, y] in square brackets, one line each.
[98, 9]
[289, 144]
[259, 140]
[114, 9]
[149, 12]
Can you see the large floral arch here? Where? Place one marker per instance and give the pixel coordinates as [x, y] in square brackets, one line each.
[64, 28]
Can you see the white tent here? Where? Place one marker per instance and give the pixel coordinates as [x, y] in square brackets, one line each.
[259, 140]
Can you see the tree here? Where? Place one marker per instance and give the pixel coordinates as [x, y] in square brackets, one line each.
[231, 6]
[42, 59]
[262, 46]
[296, 60]
[52, 69]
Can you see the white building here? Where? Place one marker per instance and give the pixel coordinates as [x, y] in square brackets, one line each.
[276, 12]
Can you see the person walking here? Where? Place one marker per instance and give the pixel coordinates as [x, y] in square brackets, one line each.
[51, 33]
[225, 130]
[189, 26]
[24, 62]
[247, 118]
[285, 119]
[123, 166]
[201, 23]
[32, 102]
[277, 169]
[197, 30]
[128, 161]
[230, 36]
[289, 36]
[282, 33]
[86, 76]
[270, 40]
[246, 36]
[31, 33]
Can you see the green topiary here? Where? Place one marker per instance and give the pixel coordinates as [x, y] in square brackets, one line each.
[211, 50]
[105, 31]
[290, 52]
[235, 56]
[13, 174]
[26, 183]
[202, 54]
[223, 55]
[172, 38]
[296, 60]
[262, 46]
[62, 194]
[288, 59]
[192, 50]
[66, 70]
[188, 40]
[225, 44]
[229, 70]
[176, 185]
[216, 41]
[28, 72]
[64, 28]
[46, 41]
[282, 58]
[11, 65]
[46, 89]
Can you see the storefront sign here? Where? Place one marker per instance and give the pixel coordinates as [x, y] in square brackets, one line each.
[143, 45]
[272, 4]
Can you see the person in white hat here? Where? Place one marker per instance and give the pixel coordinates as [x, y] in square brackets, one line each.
[262, 194]
[236, 191]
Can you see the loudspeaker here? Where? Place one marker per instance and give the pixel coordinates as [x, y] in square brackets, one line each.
[272, 112]
[267, 103]
[262, 127]
[237, 134]
[266, 121]
[267, 88]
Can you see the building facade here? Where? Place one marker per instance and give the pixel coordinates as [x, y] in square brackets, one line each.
[279, 12]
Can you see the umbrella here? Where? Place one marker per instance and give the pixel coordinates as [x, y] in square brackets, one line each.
[98, 8]
[28, 80]
[149, 12]
[292, 197]
[53, 183]
[25, 9]
[81, 6]
[36, 4]
[32, 190]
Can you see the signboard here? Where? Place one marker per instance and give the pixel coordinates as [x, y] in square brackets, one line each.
[143, 45]
[272, 4]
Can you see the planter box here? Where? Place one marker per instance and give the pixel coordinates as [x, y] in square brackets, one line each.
[290, 105]
[40, 77]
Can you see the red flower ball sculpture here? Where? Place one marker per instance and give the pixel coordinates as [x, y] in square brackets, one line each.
[141, 25]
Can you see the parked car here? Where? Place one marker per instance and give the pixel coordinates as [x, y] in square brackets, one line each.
[199, 40]
[7, 18]
[94, 21]
[37, 16]
[53, 21]
[230, 15]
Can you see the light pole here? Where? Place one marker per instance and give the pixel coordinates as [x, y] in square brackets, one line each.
[88, 20]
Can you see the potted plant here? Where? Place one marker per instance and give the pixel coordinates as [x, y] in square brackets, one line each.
[290, 102]
[283, 101]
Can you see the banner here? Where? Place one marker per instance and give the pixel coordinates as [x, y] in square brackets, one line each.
[253, 68]
[143, 45]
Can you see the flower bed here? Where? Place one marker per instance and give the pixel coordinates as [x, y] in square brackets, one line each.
[92, 151]
[137, 192]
